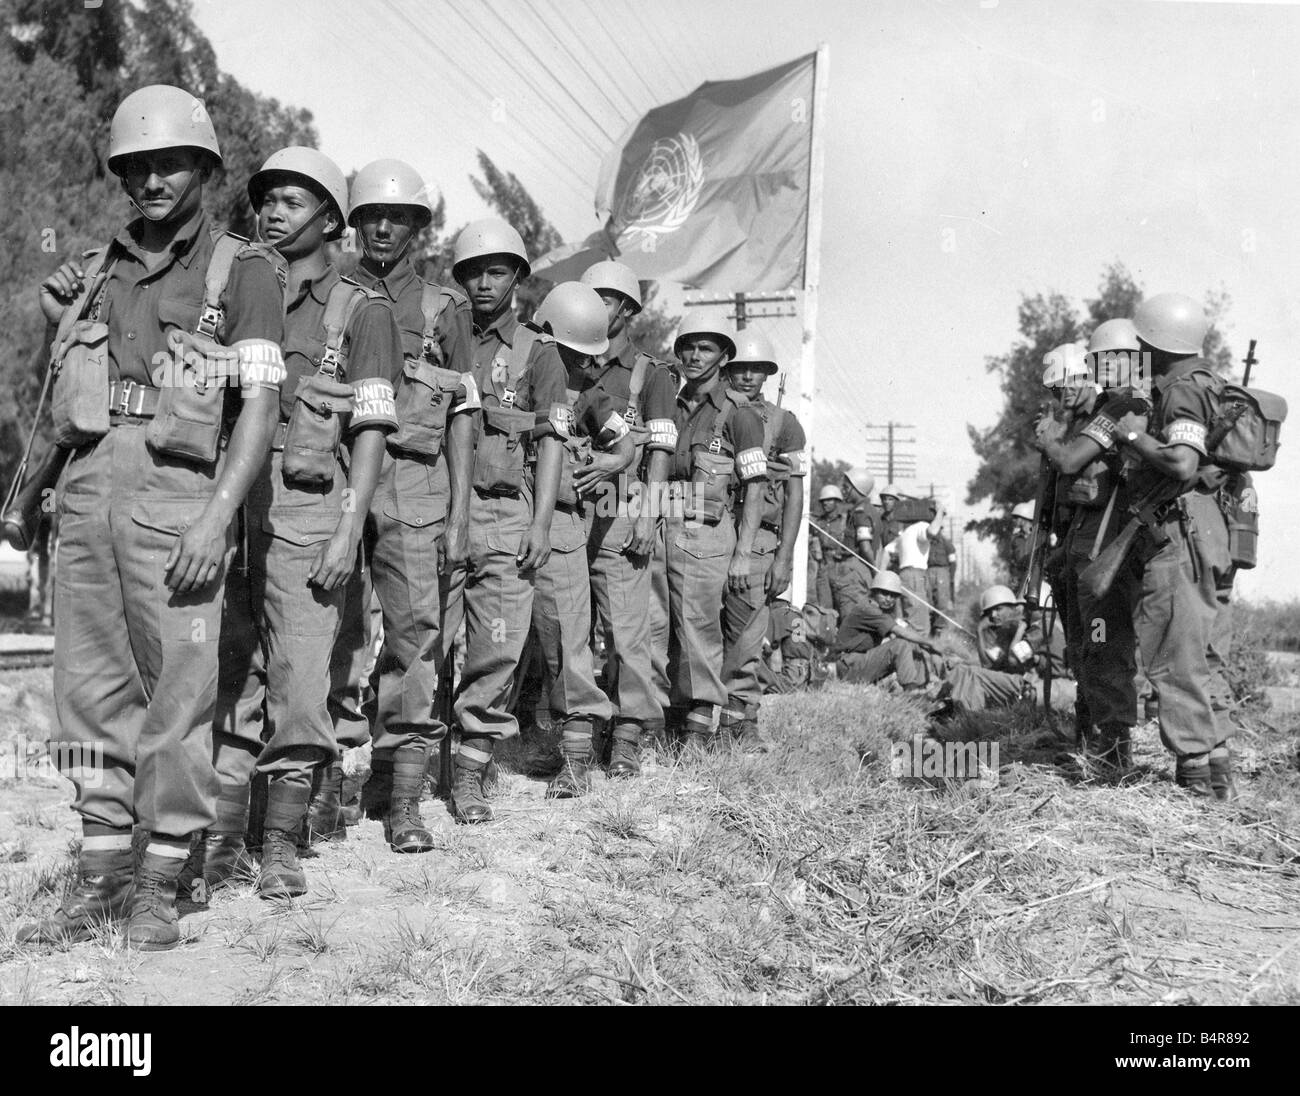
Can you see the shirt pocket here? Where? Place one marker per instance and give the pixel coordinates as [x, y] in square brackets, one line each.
[424, 396]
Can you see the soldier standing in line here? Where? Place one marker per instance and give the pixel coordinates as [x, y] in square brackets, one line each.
[621, 539]
[147, 504]
[418, 516]
[719, 450]
[521, 383]
[1182, 552]
[848, 579]
[858, 484]
[745, 612]
[306, 513]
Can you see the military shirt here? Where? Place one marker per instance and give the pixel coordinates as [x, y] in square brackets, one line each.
[541, 389]
[786, 631]
[142, 306]
[371, 347]
[404, 289]
[598, 412]
[994, 642]
[865, 626]
[941, 551]
[742, 436]
[847, 526]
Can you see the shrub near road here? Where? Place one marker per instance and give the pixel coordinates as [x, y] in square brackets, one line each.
[809, 875]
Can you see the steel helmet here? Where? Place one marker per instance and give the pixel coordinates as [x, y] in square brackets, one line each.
[1065, 365]
[609, 275]
[576, 317]
[830, 491]
[995, 596]
[390, 183]
[1023, 510]
[753, 348]
[305, 163]
[863, 481]
[1113, 335]
[490, 236]
[890, 491]
[698, 322]
[1172, 322]
[887, 581]
[159, 116]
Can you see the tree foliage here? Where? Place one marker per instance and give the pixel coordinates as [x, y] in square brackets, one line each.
[1008, 468]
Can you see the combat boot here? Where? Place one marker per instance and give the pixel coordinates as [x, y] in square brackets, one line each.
[378, 788]
[468, 803]
[152, 924]
[1192, 774]
[574, 778]
[219, 853]
[404, 829]
[325, 810]
[281, 875]
[104, 883]
[624, 751]
[1108, 748]
[350, 799]
[1221, 778]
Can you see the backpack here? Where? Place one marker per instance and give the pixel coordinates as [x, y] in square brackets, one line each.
[819, 624]
[1245, 431]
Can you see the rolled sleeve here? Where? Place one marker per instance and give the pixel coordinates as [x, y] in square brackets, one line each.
[374, 353]
[745, 433]
[467, 396]
[254, 323]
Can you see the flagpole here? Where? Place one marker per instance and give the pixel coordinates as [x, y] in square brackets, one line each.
[811, 277]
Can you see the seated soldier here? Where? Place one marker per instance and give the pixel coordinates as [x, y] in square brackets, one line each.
[873, 643]
[1009, 651]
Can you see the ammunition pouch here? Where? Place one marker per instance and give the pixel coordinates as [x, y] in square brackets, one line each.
[711, 476]
[424, 396]
[502, 450]
[188, 420]
[80, 402]
[577, 454]
[311, 440]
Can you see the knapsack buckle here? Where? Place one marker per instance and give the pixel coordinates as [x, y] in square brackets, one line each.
[209, 321]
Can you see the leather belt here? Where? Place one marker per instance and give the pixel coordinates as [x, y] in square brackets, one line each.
[128, 400]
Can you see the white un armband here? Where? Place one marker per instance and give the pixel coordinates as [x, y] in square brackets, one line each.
[467, 396]
[373, 404]
[663, 434]
[798, 462]
[752, 464]
[615, 429]
[261, 365]
[1101, 430]
[1186, 432]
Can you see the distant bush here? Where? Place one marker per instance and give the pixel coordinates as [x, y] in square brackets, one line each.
[1276, 623]
[1249, 670]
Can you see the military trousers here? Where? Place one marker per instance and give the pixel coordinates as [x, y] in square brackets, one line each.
[1209, 528]
[1100, 643]
[1173, 615]
[349, 711]
[974, 688]
[938, 592]
[498, 607]
[745, 617]
[915, 612]
[698, 557]
[622, 598]
[562, 620]
[135, 665]
[660, 629]
[849, 581]
[287, 527]
[893, 656]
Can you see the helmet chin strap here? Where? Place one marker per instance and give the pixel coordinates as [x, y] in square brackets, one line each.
[280, 244]
[194, 179]
[385, 265]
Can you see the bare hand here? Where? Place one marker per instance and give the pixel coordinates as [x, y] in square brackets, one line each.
[1131, 423]
[738, 573]
[534, 548]
[599, 467]
[454, 547]
[60, 289]
[335, 561]
[1049, 430]
[641, 541]
[778, 578]
[196, 557]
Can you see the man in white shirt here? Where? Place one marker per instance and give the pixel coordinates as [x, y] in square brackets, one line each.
[911, 549]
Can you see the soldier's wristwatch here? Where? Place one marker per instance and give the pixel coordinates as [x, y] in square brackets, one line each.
[1131, 437]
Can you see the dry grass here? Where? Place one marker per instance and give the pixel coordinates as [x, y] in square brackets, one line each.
[808, 875]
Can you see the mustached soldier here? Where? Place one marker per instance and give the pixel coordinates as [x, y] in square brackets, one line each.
[146, 507]
[622, 534]
[745, 612]
[418, 517]
[306, 512]
[517, 461]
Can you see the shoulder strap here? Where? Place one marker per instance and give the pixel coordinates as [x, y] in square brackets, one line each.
[520, 352]
[224, 249]
[729, 404]
[641, 366]
[96, 278]
[344, 299]
[433, 300]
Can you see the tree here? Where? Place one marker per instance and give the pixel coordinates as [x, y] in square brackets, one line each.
[1008, 470]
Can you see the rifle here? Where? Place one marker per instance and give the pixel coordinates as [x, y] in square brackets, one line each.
[442, 705]
[1249, 361]
[26, 504]
[780, 388]
[1044, 500]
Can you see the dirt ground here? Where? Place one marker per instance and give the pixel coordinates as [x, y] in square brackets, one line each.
[806, 875]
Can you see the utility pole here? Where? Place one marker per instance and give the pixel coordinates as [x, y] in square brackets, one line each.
[741, 312]
[894, 462]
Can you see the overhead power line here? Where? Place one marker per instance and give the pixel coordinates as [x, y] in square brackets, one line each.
[580, 65]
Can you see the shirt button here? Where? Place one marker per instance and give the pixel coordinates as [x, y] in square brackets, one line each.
[130, 334]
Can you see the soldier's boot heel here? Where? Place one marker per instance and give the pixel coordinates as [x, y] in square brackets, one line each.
[325, 810]
[1192, 774]
[104, 884]
[404, 829]
[1222, 781]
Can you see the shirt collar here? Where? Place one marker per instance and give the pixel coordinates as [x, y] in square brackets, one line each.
[317, 288]
[717, 395]
[504, 327]
[182, 243]
[620, 352]
[392, 284]
[1179, 370]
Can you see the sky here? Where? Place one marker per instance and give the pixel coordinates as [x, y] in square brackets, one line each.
[976, 151]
